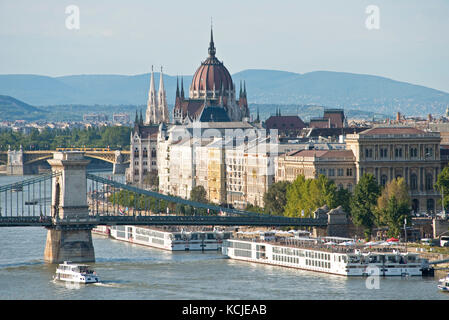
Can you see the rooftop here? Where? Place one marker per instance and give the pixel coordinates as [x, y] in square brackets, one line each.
[323, 154]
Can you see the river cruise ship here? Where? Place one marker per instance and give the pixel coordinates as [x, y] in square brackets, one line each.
[332, 255]
[78, 273]
[171, 238]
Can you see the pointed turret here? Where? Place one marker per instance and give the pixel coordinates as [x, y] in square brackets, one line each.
[241, 92]
[151, 114]
[182, 88]
[211, 49]
[162, 102]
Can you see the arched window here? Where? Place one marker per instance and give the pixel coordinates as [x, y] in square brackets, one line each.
[413, 182]
[383, 180]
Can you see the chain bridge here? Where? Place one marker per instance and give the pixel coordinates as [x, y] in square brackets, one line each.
[70, 201]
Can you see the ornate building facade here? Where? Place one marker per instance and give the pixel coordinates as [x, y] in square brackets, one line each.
[143, 143]
[385, 152]
[393, 152]
[212, 104]
[212, 94]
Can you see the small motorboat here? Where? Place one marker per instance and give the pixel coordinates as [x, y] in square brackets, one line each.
[78, 273]
[444, 284]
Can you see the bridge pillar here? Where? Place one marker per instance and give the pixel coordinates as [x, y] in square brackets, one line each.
[69, 201]
[119, 166]
[15, 164]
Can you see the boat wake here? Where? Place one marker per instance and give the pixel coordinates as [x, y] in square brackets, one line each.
[108, 284]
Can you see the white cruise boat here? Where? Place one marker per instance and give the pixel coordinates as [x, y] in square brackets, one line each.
[314, 254]
[443, 284]
[173, 240]
[78, 273]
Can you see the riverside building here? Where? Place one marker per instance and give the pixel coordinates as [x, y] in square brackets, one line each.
[386, 152]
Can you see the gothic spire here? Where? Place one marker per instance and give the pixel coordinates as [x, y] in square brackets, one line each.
[182, 88]
[152, 88]
[161, 83]
[177, 86]
[151, 112]
[211, 43]
[162, 114]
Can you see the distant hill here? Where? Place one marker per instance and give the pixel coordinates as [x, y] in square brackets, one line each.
[331, 89]
[13, 109]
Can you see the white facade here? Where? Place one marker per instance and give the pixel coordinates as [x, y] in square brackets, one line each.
[236, 173]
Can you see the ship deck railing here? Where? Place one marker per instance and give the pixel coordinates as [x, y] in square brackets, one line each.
[301, 244]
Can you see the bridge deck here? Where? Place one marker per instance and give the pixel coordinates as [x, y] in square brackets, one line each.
[158, 220]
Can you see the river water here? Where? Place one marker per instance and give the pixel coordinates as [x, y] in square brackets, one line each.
[130, 271]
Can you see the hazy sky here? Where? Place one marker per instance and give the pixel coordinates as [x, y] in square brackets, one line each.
[127, 37]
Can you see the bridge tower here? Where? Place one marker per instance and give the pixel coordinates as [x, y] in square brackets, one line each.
[15, 161]
[69, 200]
[119, 166]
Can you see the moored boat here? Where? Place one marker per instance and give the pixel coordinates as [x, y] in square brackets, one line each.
[339, 257]
[173, 238]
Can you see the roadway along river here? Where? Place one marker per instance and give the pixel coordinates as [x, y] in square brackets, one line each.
[135, 272]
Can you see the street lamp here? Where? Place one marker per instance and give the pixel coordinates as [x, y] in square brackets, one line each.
[405, 232]
[442, 202]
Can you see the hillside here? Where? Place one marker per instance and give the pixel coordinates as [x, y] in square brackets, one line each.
[13, 109]
[330, 89]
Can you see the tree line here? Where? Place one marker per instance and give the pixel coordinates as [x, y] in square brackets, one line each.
[140, 202]
[116, 137]
[369, 206]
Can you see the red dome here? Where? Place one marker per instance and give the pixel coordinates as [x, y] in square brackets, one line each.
[211, 73]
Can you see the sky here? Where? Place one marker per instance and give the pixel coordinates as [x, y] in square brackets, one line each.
[411, 43]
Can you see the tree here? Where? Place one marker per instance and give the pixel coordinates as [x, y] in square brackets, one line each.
[363, 203]
[306, 195]
[395, 213]
[343, 199]
[275, 198]
[252, 208]
[442, 185]
[393, 206]
[198, 194]
[397, 188]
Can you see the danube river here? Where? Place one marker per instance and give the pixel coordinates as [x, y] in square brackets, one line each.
[135, 272]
